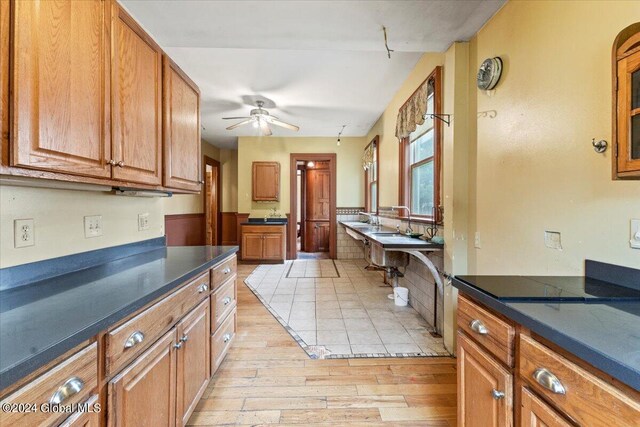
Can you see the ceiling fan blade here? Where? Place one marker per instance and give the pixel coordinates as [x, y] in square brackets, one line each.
[280, 123]
[235, 118]
[264, 128]
[244, 122]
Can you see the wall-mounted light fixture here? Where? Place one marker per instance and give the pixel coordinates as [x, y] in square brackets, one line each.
[310, 164]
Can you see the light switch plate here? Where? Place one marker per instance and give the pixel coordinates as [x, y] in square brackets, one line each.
[143, 221]
[477, 243]
[635, 234]
[92, 226]
[23, 233]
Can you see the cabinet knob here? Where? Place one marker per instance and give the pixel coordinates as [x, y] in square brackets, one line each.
[120, 164]
[203, 288]
[226, 337]
[228, 270]
[112, 162]
[70, 388]
[478, 327]
[177, 346]
[548, 380]
[497, 394]
[184, 338]
[202, 181]
[226, 301]
[134, 339]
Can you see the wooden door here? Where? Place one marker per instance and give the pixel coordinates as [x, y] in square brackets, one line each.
[273, 247]
[181, 130]
[60, 98]
[90, 417]
[536, 413]
[265, 182]
[145, 391]
[252, 246]
[212, 201]
[136, 73]
[485, 388]
[318, 200]
[194, 365]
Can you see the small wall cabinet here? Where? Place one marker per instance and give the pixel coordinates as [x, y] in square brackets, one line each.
[626, 112]
[264, 242]
[265, 184]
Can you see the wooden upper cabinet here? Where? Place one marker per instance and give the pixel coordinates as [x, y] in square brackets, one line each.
[485, 388]
[136, 75]
[181, 130]
[60, 98]
[266, 181]
[626, 120]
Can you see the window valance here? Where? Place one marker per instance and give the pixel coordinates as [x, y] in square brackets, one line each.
[412, 113]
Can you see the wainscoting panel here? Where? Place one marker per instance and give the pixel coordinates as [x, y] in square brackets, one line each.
[185, 229]
[229, 228]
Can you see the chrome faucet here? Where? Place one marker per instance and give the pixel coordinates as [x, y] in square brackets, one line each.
[409, 230]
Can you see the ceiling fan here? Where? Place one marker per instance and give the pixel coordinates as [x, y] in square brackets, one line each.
[260, 118]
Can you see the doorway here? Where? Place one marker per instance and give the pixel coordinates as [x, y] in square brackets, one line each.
[212, 201]
[312, 230]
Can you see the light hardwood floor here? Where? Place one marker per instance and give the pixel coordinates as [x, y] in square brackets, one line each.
[267, 379]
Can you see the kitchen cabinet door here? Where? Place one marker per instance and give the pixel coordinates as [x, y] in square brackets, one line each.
[194, 364]
[136, 73]
[536, 413]
[144, 393]
[181, 131]
[273, 247]
[266, 181]
[485, 388]
[60, 86]
[252, 246]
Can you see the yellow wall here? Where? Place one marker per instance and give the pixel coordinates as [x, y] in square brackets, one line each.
[59, 221]
[536, 169]
[349, 170]
[229, 164]
[386, 127]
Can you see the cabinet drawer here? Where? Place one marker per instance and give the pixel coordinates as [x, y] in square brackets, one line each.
[223, 301]
[583, 397]
[222, 272]
[69, 382]
[221, 341]
[490, 331]
[126, 341]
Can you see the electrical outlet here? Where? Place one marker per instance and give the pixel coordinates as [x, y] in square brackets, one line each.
[635, 234]
[143, 221]
[552, 240]
[24, 233]
[92, 226]
[476, 242]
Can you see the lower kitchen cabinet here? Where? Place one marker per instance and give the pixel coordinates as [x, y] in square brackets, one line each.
[90, 417]
[145, 392]
[536, 413]
[194, 368]
[485, 388]
[264, 243]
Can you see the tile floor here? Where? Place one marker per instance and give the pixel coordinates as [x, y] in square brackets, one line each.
[349, 315]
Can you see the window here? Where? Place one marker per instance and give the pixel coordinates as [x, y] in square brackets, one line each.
[370, 164]
[420, 158]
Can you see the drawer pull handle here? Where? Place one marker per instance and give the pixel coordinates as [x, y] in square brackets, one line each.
[70, 388]
[478, 327]
[184, 338]
[226, 270]
[226, 337]
[226, 301]
[203, 288]
[497, 394]
[549, 381]
[134, 339]
[177, 346]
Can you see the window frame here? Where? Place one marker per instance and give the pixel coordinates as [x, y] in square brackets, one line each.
[368, 182]
[406, 168]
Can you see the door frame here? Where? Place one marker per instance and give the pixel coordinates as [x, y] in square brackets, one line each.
[292, 252]
[208, 161]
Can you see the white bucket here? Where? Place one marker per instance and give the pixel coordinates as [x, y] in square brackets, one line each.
[401, 296]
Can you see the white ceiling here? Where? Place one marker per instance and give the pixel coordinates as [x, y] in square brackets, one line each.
[316, 64]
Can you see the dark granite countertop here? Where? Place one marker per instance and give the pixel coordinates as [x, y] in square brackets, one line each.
[42, 320]
[603, 330]
[389, 238]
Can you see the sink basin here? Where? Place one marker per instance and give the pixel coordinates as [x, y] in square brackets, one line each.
[376, 254]
[386, 234]
[356, 224]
